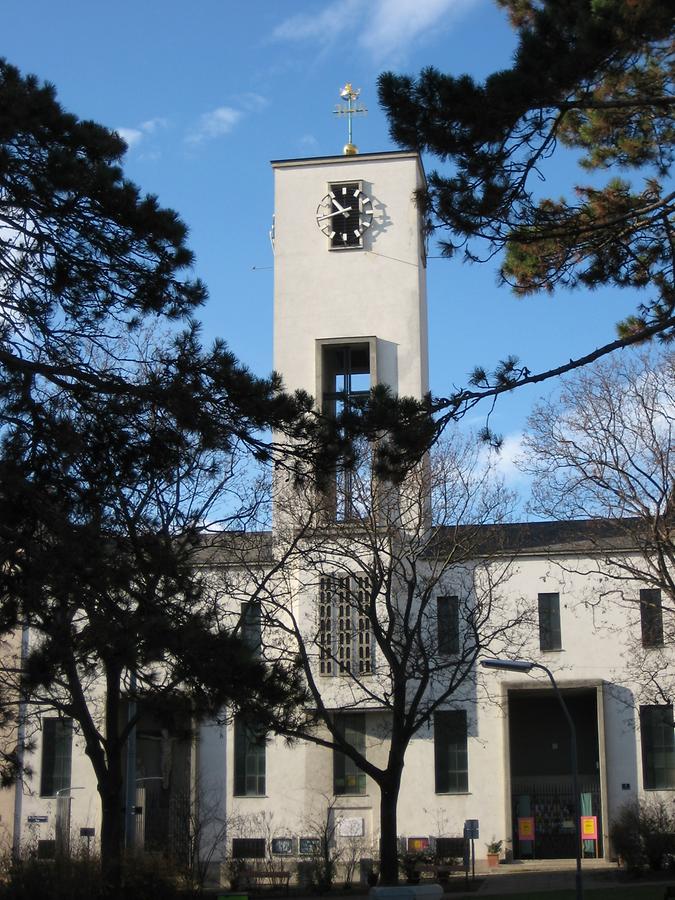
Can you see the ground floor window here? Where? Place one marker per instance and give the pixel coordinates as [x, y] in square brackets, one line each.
[249, 760]
[658, 746]
[450, 753]
[57, 756]
[347, 777]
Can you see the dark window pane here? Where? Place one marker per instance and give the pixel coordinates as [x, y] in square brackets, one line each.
[651, 617]
[57, 753]
[448, 625]
[347, 777]
[249, 760]
[658, 746]
[549, 622]
[248, 848]
[250, 625]
[450, 752]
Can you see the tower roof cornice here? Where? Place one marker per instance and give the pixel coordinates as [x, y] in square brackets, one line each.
[341, 160]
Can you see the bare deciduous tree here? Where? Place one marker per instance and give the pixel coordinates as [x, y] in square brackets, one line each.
[395, 603]
[603, 451]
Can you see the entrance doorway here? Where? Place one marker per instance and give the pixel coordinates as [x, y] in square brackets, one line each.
[541, 772]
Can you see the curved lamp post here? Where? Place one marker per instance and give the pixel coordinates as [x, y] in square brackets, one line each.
[525, 665]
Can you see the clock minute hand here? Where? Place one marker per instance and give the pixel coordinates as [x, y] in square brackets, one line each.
[330, 215]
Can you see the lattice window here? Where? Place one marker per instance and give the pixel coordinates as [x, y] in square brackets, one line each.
[345, 635]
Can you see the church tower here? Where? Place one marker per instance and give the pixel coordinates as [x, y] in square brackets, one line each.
[349, 275]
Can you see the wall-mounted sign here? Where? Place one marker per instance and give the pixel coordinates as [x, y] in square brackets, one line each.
[37, 820]
[282, 846]
[589, 828]
[418, 844]
[87, 832]
[526, 828]
[309, 846]
[351, 827]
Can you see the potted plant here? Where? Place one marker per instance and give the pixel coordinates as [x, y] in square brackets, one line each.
[494, 849]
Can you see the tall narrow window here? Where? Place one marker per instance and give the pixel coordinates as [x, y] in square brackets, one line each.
[250, 626]
[651, 617]
[658, 746]
[549, 622]
[249, 760]
[344, 634]
[447, 617]
[346, 381]
[450, 752]
[347, 777]
[57, 755]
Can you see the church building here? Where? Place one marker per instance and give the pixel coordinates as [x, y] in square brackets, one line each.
[490, 747]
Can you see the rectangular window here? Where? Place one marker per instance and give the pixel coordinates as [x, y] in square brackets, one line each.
[447, 617]
[651, 617]
[549, 622]
[347, 777]
[249, 760]
[345, 635]
[345, 383]
[57, 755]
[248, 848]
[251, 633]
[450, 753]
[658, 746]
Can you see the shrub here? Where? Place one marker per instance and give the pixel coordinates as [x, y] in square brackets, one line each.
[644, 834]
[80, 879]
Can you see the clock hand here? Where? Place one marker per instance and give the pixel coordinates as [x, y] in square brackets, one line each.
[343, 209]
[330, 215]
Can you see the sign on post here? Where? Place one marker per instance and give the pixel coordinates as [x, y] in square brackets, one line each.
[471, 829]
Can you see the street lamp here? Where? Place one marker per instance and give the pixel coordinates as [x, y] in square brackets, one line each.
[526, 665]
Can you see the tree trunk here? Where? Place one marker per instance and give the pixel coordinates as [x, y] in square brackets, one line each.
[111, 832]
[388, 832]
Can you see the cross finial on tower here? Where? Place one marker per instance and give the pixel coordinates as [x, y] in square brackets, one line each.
[350, 94]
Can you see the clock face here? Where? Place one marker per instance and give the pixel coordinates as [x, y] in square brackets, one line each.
[345, 214]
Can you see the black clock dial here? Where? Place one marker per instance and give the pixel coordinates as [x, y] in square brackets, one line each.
[344, 214]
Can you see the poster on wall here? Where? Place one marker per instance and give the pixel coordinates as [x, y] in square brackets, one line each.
[418, 844]
[526, 828]
[282, 846]
[350, 827]
[309, 846]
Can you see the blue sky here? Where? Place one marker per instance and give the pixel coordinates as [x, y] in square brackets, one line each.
[207, 93]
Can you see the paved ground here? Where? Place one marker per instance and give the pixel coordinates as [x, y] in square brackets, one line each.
[537, 877]
[544, 875]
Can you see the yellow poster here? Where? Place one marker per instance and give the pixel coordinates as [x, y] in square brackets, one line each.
[589, 828]
[526, 828]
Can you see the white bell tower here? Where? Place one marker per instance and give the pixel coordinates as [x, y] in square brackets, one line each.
[350, 272]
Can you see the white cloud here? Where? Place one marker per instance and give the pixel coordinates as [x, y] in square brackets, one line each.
[504, 461]
[385, 27]
[214, 124]
[324, 25]
[394, 24]
[252, 102]
[130, 136]
[133, 136]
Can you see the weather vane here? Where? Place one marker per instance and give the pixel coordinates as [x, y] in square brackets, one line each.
[350, 94]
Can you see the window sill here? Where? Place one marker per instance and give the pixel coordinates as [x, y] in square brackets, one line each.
[453, 793]
[350, 795]
[250, 796]
[552, 650]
